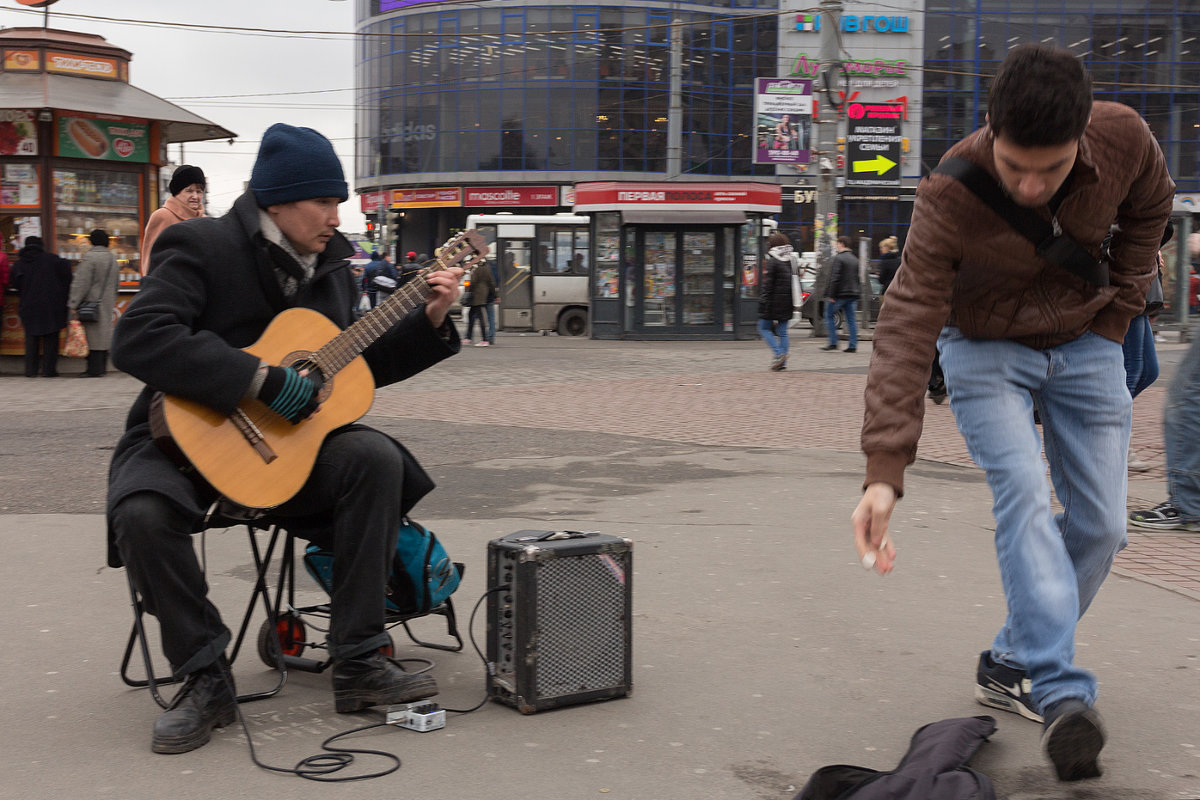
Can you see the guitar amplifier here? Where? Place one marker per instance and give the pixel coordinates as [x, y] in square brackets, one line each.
[560, 618]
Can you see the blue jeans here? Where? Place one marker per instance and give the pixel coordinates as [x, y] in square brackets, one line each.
[1141, 359]
[1181, 431]
[491, 315]
[1051, 566]
[847, 305]
[774, 333]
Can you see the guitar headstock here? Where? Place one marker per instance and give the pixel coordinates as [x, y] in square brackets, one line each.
[467, 249]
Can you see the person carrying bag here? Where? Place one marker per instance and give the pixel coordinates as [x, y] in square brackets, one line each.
[92, 298]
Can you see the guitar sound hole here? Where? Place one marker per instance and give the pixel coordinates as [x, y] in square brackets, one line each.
[300, 361]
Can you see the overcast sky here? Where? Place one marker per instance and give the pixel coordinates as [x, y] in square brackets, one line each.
[241, 79]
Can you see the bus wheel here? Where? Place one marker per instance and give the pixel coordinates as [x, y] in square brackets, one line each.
[572, 322]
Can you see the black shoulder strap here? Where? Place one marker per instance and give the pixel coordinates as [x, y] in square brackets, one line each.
[1058, 249]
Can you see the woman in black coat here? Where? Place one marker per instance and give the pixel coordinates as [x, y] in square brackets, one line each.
[43, 280]
[775, 304]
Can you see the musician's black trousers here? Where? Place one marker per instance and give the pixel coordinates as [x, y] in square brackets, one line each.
[351, 504]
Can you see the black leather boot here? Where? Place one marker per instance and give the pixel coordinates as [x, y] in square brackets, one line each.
[206, 700]
[376, 680]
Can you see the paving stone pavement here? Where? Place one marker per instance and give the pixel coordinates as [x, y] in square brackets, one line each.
[720, 393]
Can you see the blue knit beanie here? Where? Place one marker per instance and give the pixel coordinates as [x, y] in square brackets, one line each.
[296, 164]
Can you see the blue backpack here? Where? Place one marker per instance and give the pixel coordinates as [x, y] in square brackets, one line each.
[422, 577]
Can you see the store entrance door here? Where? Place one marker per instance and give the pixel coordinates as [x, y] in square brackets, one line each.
[679, 286]
[516, 293]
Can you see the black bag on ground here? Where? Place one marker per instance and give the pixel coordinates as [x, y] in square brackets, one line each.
[934, 768]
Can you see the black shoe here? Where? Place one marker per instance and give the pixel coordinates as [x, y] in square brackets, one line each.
[850, 350]
[207, 700]
[1004, 687]
[779, 363]
[1073, 738]
[830, 347]
[376, 680]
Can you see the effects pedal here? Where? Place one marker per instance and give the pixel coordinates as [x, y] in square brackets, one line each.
[421, 716]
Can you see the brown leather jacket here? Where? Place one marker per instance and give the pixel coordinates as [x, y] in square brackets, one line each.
[965, 266]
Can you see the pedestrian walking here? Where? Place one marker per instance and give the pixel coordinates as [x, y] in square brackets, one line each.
[43, 281]
[842, 294]
[1181, 432]
[1022, 328]
[481, 291]
[96, 280]
[775, 302]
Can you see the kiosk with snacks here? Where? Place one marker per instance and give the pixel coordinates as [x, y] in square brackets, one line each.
[675, 260]
[80, 148]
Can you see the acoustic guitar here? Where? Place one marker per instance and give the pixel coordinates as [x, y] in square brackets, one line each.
[258, 459]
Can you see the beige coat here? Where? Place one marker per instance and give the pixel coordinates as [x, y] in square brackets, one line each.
[173, 210]
[96, 278]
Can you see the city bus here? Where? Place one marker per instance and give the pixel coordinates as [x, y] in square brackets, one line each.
[542, 261]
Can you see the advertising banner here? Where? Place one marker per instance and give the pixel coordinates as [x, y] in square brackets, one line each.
[782, 120]
[18, 132]
[371, 202]
[22, 61]
[427, 198]
[873, 140]
[511, 196]
[618, 196]
[107, 140]
[85, 66]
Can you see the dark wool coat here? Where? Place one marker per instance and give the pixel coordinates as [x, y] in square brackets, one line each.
[214, 291]
[888, 264]
[43, 280]
[775, 294]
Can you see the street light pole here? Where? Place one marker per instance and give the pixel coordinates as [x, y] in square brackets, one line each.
[825, 219]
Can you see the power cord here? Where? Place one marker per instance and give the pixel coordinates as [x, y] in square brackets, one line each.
[322, 766]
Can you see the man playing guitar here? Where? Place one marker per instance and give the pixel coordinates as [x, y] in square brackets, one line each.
[218, 285]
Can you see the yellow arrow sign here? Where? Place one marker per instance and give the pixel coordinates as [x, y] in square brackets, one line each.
[878, 165]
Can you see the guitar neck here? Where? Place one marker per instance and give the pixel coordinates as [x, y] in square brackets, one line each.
[349, 344]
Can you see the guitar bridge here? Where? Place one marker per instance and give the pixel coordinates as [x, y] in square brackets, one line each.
[254, 436]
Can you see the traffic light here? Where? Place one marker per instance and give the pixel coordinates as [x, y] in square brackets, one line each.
[841, 162]
[395, 218]
[370, 231]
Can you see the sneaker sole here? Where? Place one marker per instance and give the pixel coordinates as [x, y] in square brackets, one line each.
[994, 699]
[1157, 525]
[347, 701]
[1073, 744]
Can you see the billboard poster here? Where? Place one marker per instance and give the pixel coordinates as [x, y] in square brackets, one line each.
[18, 132]
[782, 120]
[108, 140]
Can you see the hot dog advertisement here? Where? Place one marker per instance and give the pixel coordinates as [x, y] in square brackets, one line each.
[105, 139]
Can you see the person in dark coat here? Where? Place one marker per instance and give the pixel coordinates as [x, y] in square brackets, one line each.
[216, 287]
[43, 280]
[842, 294]
[775, 303]
[379, 267]
[889, 261]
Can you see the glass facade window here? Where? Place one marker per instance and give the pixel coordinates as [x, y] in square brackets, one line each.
[1143, 54]
[503, 88]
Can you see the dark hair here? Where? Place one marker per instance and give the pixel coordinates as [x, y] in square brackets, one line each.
[777, 239]
[98, 238]
[846, 242]
[33, 241]
[1041, 97]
